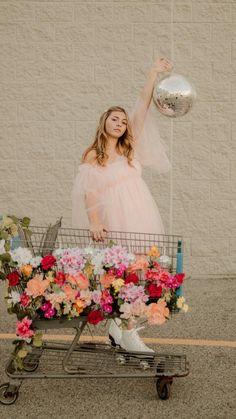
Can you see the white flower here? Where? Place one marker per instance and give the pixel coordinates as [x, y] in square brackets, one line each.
[97, 261]
[14, 297]
[21, 255]
[35, 262]
[131, 257]
[58, 253]
[2, 248]
[89, 251]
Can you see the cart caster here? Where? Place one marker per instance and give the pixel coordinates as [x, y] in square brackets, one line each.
[122, 359]
[145, 365]
[8, 396]
[31, 361]
[30, 366]
[163, 388]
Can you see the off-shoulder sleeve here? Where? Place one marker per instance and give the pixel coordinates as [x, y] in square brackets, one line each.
[87, 195]
[149, 147]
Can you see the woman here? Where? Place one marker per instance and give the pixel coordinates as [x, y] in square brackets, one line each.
[109, 193]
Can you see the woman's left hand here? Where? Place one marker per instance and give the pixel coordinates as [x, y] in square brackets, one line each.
[161, 65]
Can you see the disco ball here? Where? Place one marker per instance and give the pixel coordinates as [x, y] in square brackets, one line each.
[174, 95]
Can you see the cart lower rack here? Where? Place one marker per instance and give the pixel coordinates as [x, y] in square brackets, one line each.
[91, 360]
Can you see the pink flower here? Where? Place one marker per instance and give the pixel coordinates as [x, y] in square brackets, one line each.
[107, 308]
[45, 306]
[24, 299]
[23, 328]
[131, 292]
[49, 313]
[120, 270]
[106, 297]
[96, 296]
[164, 276]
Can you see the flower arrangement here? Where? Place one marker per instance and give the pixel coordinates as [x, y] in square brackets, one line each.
[96, 283]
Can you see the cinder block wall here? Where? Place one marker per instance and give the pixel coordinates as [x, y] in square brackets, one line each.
[63, 62]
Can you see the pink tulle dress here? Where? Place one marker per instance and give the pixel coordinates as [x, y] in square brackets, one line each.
[120, 195]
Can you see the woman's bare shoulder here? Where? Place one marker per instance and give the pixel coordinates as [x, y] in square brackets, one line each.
[91, 157]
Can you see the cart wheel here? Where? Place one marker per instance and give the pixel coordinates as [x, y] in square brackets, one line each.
[31, 362]
[163, 389]
[30, 366]
[7, 397]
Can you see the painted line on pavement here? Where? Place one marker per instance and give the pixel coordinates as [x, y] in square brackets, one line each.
[155, 341]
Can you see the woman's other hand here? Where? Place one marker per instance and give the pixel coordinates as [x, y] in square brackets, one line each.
[98, 232]
[161, 65]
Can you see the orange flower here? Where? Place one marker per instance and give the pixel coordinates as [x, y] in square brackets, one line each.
[79, 306]
[26, 270]
[157, 313]
[106, 280]
[140, 263]
[70, 292]
[37, 285]
[154, 251]
[82, 282]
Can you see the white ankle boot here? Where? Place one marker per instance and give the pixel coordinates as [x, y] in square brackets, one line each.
[132, 342]
[115, 333]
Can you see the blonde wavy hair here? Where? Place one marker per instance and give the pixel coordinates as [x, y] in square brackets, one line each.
[124, 144]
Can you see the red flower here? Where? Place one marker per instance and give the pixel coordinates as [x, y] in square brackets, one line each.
[47, 262]
[133, 277]
[180, 278]
[24, 299]
[154, 290]
[95, 317]
[60, 278]
[13, 278]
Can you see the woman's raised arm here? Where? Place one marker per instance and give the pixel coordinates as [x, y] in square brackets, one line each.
[138, 114]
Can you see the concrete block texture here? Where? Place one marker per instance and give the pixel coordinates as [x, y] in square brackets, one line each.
[63, 62]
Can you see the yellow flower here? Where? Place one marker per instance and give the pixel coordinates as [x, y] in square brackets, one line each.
[181, 304]
[117, 284]
[14, 230]
[26, 270]
[88, 270]
[154, 251]
[185, 308]
[7, 221]
[50, 275]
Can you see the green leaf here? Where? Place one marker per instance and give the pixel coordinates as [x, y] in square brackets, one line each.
[2, 276]
[4, 235]
[26, 222]
[14, 219]
[7, 247]
[5, 257]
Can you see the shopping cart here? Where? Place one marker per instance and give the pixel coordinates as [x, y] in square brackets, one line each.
[76, 358]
